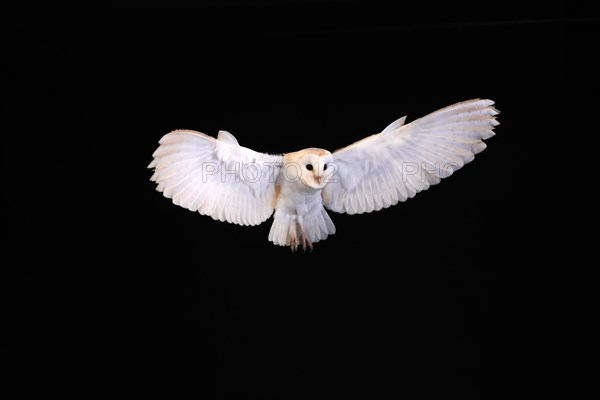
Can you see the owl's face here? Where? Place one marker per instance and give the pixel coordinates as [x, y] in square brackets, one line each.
[316, 169]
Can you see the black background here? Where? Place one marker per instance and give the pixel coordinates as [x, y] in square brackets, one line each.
[420, 300]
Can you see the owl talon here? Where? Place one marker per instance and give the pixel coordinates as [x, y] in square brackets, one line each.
[293, 245]
[306, 244]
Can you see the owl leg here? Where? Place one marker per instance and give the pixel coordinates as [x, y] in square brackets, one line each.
[306, 244]
[293, 237]
[293, 244]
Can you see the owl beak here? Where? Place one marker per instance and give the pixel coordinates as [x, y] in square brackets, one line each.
[318, 179]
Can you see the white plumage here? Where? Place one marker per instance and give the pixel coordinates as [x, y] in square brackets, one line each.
[199, 173]
[220, 178]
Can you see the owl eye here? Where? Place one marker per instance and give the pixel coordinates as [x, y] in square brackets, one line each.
[309, 167]
[325, 167]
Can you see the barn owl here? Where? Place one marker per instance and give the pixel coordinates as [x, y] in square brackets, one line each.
[229, 182]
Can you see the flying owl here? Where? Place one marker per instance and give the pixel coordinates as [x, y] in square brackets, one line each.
[229, 182]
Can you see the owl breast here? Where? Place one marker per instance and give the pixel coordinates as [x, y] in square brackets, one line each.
[300, 218]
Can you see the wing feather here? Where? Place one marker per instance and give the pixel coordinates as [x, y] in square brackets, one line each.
[362, 203]
[403, 160]
[203, 173]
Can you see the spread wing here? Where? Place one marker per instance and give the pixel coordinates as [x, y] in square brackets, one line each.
[216, 177]
[403, 160]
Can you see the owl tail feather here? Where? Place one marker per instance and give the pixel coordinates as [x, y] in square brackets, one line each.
[294, 231]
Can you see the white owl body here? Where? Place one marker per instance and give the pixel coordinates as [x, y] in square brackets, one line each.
[220, 178]
[300, 218]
